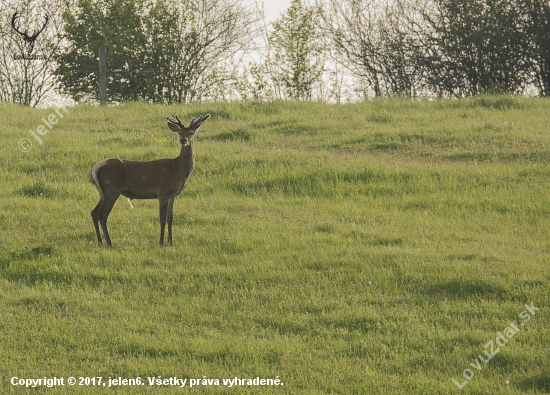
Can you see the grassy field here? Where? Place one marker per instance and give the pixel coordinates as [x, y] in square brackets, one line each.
[374, 248]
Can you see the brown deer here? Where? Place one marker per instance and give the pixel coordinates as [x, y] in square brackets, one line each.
[162, 179]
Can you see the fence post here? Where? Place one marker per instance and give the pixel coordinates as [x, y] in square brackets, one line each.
[102, 76]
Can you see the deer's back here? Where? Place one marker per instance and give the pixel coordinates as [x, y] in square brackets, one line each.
[138, 180]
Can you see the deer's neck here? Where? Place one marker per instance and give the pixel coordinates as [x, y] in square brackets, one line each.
[186, 160]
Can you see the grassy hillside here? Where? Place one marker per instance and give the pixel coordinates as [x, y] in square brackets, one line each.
[373, 248]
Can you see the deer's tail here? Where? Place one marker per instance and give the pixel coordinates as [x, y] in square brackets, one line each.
[91, 177]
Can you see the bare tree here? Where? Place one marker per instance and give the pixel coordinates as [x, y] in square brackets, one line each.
[258, 81]
[370, 39]
[297, 47]
[538, 32]
[208, 36]
[157, 50]
[201, 47]
[31, 33]
[474, 46]
[349, 27]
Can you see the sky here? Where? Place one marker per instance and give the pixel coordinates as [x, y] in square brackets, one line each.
[273, 8]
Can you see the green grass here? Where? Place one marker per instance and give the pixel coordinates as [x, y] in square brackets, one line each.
[370, 248]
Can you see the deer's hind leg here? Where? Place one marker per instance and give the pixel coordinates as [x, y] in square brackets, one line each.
[95, 218]
[104, 214]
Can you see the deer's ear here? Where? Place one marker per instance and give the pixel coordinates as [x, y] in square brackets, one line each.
[173, 128]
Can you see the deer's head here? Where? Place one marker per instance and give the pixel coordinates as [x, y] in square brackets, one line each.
[186, 133]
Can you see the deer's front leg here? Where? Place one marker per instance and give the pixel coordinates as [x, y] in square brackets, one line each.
[163, 209]
[169, 218]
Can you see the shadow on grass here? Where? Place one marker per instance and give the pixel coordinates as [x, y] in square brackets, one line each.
[326, 183]
[499, 157]
[539, 383]
[25, 255]
[38, 189]
[134, 348]
[38, 273]
[285, 326]
[498, 102]
[37, 265]
[464, 289]
[350, 323]
[233, 134]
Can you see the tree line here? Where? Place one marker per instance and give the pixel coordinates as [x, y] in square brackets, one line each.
[177, 51]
